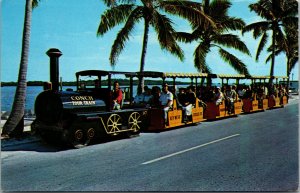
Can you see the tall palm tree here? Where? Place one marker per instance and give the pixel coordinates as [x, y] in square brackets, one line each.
[218, 36]
[289, 46]
[291, 49]
[11, 127]
[275, 15]
[130, 13]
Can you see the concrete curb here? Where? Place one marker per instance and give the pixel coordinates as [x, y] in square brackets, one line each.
[27, 138]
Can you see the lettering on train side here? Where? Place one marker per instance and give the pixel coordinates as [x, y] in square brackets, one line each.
[82, 100]
[176, 117]
[197, 114]
[238, 107]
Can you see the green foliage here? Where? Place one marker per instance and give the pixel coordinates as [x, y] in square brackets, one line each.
[35, 3]
[276, 15]
[123, 82]
[216, 35]
[131, 12]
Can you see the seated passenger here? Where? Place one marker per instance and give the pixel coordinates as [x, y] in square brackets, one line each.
[230, 96]
[181, 97]
[241, 91]
[147, 96]
[248, 93]
[117, 96]
[97, 83]
[82, 86]
[189, 103]
[166, 99]
[139, 98]
[281, 91]
[208, 95]
[154, 101]
[175, 96]
[219, 97]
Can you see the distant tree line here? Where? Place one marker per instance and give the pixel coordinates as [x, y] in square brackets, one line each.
[104, 82]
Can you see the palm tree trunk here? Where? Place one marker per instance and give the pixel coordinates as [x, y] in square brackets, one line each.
[273, 57]
[143, 56]
[288, 72]
[17, 113]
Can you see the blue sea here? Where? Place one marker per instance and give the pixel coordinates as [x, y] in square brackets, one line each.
[8, 93]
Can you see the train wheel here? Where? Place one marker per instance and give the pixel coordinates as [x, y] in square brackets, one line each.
[134, 122]
[90, 133]
[78, 139]
[114, 124]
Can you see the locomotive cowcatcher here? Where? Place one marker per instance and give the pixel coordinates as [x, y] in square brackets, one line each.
[84, 116]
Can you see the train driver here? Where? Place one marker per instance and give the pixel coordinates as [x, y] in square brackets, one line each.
[117, 96]
[166, 99]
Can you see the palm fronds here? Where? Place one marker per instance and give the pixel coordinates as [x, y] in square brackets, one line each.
[123, 35]
[261, 45]
[189, 10]
[258, 28]
[113, 17]
[231, 41]
[165, 31]
[236, 63]
[35, 3]
[209, 37]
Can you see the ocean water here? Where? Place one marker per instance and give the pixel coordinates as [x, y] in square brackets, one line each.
[8, 93]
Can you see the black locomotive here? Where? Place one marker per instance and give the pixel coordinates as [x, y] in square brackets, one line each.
[81, 117]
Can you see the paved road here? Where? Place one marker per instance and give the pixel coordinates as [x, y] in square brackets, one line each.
[255, 152]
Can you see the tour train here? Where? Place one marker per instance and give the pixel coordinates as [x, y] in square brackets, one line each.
[79, 118]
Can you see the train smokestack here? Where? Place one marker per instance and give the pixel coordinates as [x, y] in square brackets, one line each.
[54, 55]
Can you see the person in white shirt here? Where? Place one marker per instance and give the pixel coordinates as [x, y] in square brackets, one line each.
[219, 96]
[166, 99]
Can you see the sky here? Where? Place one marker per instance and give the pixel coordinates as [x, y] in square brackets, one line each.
[71, 26]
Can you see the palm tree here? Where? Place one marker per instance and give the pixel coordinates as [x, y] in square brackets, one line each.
[275, 15]
[15, 122]
[289, 46]
[131, 13]
[218, 36]
[291, 49]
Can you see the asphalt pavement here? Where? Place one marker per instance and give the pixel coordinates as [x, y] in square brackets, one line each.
[253, 152]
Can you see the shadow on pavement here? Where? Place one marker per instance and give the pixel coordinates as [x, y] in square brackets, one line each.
[29, 142]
